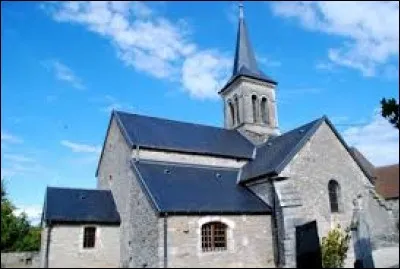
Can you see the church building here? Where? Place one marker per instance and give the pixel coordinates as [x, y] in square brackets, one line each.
[178, 194]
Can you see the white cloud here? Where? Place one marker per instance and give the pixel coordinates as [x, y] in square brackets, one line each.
[377, 140]
[80, 148]
[18, 168]
[14, 164]
[146, 41]
[9, 138]
[33, 212]
[204, 73]
[370, 29]
[63, 72]
[108, 102]
[18, 158]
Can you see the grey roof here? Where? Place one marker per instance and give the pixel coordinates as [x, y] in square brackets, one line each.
[187, 189]
[272, 156]
[157, 133]
[245, 63]
[79, 206]
[365, 163]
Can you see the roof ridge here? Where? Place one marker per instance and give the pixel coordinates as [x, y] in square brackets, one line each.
[176, 121]
[291, 131]
[76, 189]
[300, 143]
[297, 144]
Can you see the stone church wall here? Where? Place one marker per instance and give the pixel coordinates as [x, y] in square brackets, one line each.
[324, 158]
[186, 158]
[66, 247]
[249, 242]
[139, 223]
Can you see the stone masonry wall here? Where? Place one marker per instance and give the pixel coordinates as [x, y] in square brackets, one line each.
[249, 242]
[139, 223]
[66, 247]
[394, 205]
[43, 246]
[324, 158]
[20, 259]
[165, 156]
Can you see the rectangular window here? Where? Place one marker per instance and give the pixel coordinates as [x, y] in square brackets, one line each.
[89, 237]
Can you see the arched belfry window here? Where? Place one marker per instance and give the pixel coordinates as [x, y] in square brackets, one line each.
[237, 110]
[254, 107]
[334, 196]
[214, 236]
[264, 110]
[231, 112]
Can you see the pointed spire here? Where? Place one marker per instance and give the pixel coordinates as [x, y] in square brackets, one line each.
[244, 56]
[245, 63]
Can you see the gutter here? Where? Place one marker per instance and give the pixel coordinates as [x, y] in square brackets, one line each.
[165, 241]
[46, 258]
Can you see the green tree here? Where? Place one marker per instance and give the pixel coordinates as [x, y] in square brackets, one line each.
[390, 111]
[334, 248]
[16, 232]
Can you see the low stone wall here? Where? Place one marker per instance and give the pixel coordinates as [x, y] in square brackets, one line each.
[20, 259]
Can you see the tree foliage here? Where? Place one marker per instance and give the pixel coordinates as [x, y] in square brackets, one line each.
[334, 247]
[390, 111]
[16, 232]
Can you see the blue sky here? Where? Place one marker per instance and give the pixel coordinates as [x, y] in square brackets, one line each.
[66, 65]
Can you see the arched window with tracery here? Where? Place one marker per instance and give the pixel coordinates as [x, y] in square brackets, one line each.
[214, 236]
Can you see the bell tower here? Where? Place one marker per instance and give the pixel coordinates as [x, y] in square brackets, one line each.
[249, 95]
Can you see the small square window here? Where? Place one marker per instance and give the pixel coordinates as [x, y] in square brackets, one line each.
[89, 237]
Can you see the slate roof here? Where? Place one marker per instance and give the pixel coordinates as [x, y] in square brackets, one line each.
[368, 166]
[157, 133]
[387, 181]
[187, 189]
[79, 206]
[245, 63]
[272, 156]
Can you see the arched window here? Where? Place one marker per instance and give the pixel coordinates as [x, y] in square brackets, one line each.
[254, 107]
[334, 196]
[264, 110]
[232, 112]
[237, 110]
[213, 236]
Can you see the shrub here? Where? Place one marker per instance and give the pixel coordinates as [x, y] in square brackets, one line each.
[334, 247]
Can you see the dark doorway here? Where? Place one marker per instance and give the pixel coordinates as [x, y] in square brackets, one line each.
[308, 250]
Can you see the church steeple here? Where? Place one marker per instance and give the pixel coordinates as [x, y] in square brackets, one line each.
[244, 55]
[249, 95]
[245, 63]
